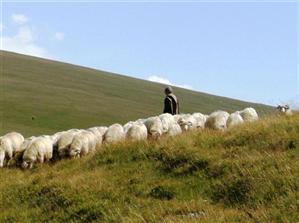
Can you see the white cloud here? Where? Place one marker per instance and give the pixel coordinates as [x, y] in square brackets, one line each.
[23, 42]
[186, 86]
[158, 79]
[19, 19]
[25, 35]
[59, 36]
[163, 80]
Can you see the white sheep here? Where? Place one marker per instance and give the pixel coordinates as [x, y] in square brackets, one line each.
[97, 135]
[137, 132]
[40, 150]
[64, 142]
[187, 122]
[82, 144]
[114, 134]
[9, 143]
[234, 119]
[154, 127]
[284, 109]
[174, 129]
[217, 120]
[17, 157]
[167, 120]
[249, 114]
[201, 120]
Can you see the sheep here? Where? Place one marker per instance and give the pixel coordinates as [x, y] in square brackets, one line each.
[154, 127]
[17, 157]
[217, 120]
[201, 120]
[284, 109]
[64, 142]
[98, 136]
[9, 143]
[114, 134]
[174, 129]
[167, 120]
[40, 150]
[137, 132]
[234, 119]
[187, 122]
[82, 143]
[249, 114]
[192, 122]
[183, 123]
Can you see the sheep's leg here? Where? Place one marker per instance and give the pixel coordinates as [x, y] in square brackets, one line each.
[2, 157]
[40, 159]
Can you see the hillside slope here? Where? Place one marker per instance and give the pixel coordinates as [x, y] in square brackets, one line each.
[245, 174]
[40, 96]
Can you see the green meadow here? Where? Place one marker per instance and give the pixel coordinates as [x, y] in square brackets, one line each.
[246, 174]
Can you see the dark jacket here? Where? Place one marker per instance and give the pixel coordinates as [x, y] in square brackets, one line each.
[171, 105]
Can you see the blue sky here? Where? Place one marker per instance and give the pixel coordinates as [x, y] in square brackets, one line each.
[241, 49]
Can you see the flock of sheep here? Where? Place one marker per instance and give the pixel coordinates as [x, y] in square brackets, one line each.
[17, 151]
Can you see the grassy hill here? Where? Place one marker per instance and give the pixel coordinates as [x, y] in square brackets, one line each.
[245, 174]
[39, 96]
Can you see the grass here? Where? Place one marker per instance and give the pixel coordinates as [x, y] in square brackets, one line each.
[245, 174]
[39, 96]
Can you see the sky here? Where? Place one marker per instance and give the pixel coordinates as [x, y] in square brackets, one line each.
[242, 49]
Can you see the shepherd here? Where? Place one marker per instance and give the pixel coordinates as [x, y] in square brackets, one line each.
[171, 103]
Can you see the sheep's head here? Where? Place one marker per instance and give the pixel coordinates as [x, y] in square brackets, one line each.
[63, 152]
[221, 123]
[221, 127]
[27, 164]
[74, 152]
[154, 133]
[184, 124]
[280, 108]
[191, 125]
[283, 108]
[28, 160]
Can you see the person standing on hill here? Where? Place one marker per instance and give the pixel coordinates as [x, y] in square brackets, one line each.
[171, 104]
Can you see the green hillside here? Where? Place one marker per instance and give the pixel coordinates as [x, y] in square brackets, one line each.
[41, 96]
[245, 174]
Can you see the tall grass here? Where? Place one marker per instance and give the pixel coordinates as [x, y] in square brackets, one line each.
[246, 174]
